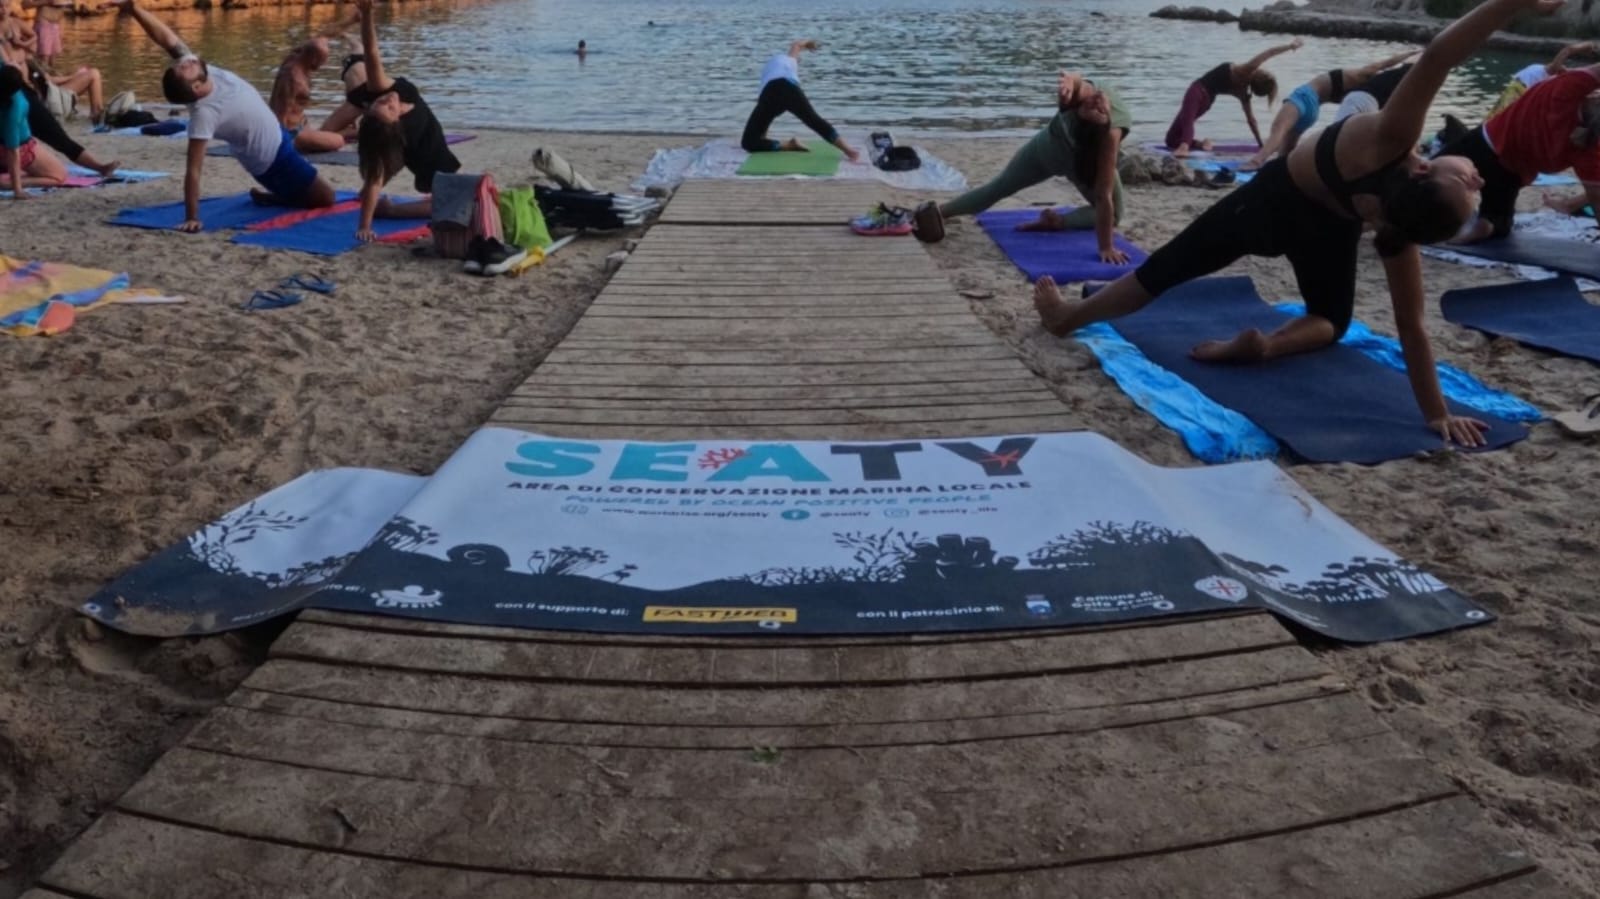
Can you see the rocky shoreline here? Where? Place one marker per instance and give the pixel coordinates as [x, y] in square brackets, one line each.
[1387, 25]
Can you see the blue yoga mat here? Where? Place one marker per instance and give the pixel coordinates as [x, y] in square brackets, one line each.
[1333, 405]
[216, 213]
[1550, 314]
[328, 235]
[1570, 257]
[1066, 256]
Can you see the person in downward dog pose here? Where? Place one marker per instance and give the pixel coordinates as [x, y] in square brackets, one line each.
[1312, 206]
[1304, 104]
[398, 131]
[781, 93]
[1082, 143]
[224, 106]
[1227, 79]
[1551, 128]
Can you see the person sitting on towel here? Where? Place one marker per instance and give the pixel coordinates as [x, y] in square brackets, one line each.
[224, 106]
[1551, 128]
[44, 126]
[1311, 206]
[781, 93]
[397, 131]
[25, 162]
[1082, 143]
[291, 94]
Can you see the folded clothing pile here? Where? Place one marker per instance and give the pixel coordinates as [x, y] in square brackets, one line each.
[592, 209]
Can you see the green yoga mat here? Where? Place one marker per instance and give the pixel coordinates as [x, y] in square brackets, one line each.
[821, 159]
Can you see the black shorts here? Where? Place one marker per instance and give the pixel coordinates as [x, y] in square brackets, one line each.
[1500, 185]
[1269, 216]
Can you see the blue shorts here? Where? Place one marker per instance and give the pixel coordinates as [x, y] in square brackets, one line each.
[1309, 103]
[289, 177]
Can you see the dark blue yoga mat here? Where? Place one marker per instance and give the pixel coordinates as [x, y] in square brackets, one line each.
[1570, 257]
[216, 213]
[1550, 314]
[1333, 405]
[1066, 256]
[327, 235]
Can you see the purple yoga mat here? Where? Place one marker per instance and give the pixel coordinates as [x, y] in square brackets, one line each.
[459, 138]
[1063, 255]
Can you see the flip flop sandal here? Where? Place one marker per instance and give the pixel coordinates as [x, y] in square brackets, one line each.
[927, 223]
[1584, 423]
[309, 282]
[272, 299]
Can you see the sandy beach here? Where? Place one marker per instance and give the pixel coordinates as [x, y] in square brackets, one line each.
[143, 422]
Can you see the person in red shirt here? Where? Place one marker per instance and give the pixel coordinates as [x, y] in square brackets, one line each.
[1551, 128]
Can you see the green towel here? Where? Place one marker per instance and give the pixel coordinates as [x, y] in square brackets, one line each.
[821, 159]
[521, 221]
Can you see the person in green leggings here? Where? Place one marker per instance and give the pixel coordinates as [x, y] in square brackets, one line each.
[1082, 143]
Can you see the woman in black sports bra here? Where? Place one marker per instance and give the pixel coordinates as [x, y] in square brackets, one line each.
[1300, 109]
[1311, 207]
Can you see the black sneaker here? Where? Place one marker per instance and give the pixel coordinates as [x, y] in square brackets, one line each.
[499, 258]
[473, 264]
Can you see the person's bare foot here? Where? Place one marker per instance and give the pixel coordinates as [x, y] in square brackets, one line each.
[265, 198]
[1205, 145]
[794, 146]
[106, 169]
[1181, 150]
[1055, 313]
[1248, 346]
[1048, 220]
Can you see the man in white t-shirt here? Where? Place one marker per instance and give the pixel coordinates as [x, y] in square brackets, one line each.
[1531, 75]
[781, 93]
[226, 107]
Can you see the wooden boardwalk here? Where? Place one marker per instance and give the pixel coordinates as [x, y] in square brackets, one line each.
[392, 758]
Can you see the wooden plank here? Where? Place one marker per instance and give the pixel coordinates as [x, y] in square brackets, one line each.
[1144, 749]
[1300, 695]
[1060, 652]
[667, 416]
[1433, 850]
[603, 401]
[729, 327]
[1525, 884]
[731, 824]
[793, 396]
[995, 426]
[789, 295]
[709, 706]
[851, 374]
[875, 314]
[779, 356]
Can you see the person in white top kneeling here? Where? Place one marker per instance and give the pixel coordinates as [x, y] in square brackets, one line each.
[225, 107]
[781, 93]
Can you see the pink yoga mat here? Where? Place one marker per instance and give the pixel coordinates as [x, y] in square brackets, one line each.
[72, 181]
[1232, 148]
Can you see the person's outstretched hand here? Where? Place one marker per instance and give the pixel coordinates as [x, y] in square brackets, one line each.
[1459, 429]
[1113, 256]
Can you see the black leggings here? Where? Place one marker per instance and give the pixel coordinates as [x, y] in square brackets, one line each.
[1498, 203]
[1269, 216]
[45, 127]
[778, 97]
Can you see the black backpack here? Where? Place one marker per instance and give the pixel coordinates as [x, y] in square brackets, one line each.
[899, 159]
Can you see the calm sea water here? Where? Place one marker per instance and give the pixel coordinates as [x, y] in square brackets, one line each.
[941, 67]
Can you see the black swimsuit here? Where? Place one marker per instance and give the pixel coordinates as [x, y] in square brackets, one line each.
[1344, 189]
[1219, 80]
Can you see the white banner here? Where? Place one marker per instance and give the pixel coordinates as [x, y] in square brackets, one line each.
[805, 537]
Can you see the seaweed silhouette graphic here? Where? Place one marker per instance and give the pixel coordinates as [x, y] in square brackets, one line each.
[891, 556]
[565, 559]
[402, 534]
[1360, 579]
[307, 573]
[214, 544]
[1101, 543]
